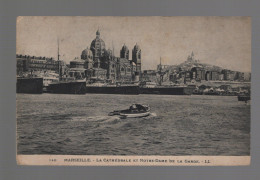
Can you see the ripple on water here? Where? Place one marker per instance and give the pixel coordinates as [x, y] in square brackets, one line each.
[178, 125]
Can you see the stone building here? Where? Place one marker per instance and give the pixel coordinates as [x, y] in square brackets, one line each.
[87, 57]
[26, 63]
[187, 76]
[229, 75]
[136, 58]
[98, 49]
[124, 52]
[149, 76]
[107, 66]
[212, 76]
[100, 63]
[77, 69]
[198, 73]
[82, 68]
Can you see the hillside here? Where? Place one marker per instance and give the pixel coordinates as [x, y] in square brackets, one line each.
[187, 65]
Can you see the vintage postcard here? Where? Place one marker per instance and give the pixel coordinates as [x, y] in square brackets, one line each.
[133, 91]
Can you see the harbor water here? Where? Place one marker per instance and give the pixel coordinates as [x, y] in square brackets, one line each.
[178, 125]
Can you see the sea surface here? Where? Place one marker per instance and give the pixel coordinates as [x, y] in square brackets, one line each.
[178, 125]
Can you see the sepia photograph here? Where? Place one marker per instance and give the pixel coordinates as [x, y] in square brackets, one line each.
[133, 90]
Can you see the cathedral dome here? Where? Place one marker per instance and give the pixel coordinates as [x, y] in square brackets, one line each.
[98, 46]
[97, 42]
[86, 54]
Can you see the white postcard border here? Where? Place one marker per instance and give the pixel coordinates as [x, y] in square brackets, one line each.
[89, 160]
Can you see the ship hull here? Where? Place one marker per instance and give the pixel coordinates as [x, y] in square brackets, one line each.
[136, 115]
[67, 88]
[29, 85]
[132, 90]
[167, 90]
[243, 98]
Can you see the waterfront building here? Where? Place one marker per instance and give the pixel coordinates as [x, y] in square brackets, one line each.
[212, 75]
[106, 65]
[26, 63]
[247, 76]
[207, 76]
[225, 73]
[173, 77]
[149, 76]
[221, 77]
[21, 64]
[187, 76]
[77, 69]
[198, 73]
[77, 63]
[242, 76]
[229, 75]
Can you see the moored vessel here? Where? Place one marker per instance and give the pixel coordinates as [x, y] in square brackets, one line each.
[68, 87]
[244, 97]
[167, 90]
[30, 85]
[100, 87]
[106, 89]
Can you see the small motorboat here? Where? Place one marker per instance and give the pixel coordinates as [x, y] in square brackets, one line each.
[134, 111]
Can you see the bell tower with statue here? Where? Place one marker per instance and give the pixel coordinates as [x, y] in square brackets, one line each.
[124, 53]
[136, 57]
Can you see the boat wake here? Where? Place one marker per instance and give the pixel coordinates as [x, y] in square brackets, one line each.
[152, 115]
[107, 119]
[99, 119]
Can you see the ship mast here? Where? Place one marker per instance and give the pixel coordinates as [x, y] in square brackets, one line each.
[58, 49]
[113, 48]
[160, 72]
[58, 41]
[113, 57]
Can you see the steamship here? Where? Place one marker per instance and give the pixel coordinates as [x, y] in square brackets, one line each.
[100, 87]
[167, 90]
[29, 85]
[68, 86]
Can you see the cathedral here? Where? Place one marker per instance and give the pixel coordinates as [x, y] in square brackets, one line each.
[101, 63]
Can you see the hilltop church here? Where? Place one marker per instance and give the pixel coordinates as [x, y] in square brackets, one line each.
[99, 62]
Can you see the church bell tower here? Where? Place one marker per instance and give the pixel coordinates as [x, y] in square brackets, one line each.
[136, 57]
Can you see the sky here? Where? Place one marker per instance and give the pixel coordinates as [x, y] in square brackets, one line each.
[221, 41]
